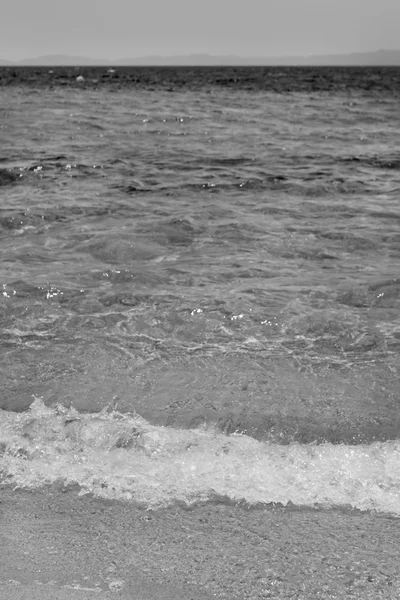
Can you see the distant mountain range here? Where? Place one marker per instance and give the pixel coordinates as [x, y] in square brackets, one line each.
[377, 58]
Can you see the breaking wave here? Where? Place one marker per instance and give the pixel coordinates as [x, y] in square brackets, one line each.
[124, 457]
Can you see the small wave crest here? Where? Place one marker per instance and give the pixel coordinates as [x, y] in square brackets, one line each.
[124, 457]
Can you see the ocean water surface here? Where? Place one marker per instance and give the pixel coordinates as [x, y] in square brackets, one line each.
[200, 276]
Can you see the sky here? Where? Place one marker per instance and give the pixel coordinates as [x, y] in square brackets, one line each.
[113, 29]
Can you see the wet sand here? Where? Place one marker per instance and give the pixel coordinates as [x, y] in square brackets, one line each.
[53, 541]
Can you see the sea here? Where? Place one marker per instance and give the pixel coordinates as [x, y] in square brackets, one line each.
[200, 284]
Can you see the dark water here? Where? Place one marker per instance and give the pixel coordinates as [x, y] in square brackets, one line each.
[371, 80]
[216, 251]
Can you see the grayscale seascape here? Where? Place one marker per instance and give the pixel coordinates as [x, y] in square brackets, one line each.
[200, 322]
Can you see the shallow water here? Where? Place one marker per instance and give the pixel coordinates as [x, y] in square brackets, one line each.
[215, 257]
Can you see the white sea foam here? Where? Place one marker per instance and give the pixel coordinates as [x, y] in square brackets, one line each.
[120, 456]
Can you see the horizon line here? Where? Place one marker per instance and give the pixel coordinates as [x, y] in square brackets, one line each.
[393, 55]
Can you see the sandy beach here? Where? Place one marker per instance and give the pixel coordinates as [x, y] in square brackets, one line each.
[34, 591]
[56, 544]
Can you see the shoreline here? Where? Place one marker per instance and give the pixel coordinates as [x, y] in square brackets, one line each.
[211, 550]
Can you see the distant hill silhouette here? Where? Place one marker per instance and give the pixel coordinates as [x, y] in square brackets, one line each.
[62, 60]
[377, 58]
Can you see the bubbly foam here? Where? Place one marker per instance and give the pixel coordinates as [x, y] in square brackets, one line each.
[122, 456]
